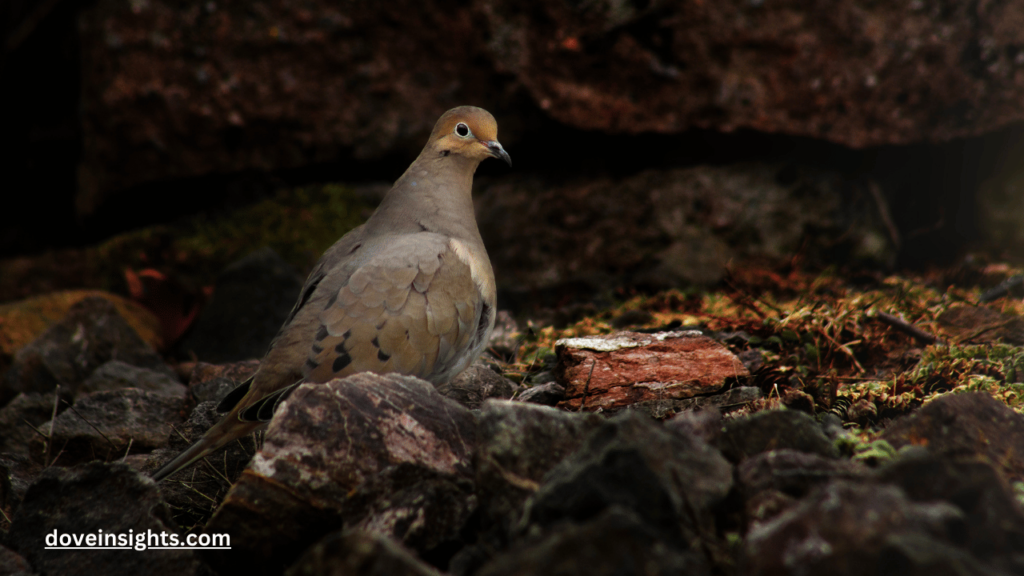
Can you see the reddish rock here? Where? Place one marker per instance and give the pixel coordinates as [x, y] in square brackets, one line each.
[624, 368]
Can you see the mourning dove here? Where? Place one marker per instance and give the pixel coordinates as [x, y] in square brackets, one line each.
[410, 291]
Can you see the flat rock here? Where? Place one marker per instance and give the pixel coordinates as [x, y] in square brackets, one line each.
[774, 430]
[108, 425]
[116, 375]
[87, 499]
[359, 553]
[91, 334]
[669, 407]
[968, 424]
[616, 370]
[328, 441]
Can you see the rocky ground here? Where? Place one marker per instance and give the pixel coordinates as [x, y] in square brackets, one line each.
[785, 423]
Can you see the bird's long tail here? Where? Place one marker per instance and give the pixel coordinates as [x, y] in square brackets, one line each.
[221, 434]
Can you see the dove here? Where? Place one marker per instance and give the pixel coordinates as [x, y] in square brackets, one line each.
[409, 291]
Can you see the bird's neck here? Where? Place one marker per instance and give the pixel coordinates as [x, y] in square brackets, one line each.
[434, 194]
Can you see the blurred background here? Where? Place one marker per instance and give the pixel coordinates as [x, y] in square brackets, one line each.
[655, 144]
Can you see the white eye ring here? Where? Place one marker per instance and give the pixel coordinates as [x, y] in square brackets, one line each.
[462, 130]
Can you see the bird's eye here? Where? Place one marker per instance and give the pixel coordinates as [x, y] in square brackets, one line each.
[462, 130]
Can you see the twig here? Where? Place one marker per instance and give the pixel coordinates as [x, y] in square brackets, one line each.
[845, 350]
[586, 387]
[128, 449]
[6, 517]
[1002, 289]
[910, 329]
[72, 408]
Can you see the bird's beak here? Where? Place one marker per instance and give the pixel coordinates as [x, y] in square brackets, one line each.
[494, 147]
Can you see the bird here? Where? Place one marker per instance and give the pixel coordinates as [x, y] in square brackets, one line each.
[410, 291]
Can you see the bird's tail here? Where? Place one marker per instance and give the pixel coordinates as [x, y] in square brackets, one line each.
[221, 434]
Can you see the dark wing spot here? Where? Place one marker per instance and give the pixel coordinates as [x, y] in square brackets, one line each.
[340, 348]
[382, 323]
[445, 153]
[382, 356]
[375, 342]
[311, 365]
[321, 333]
[331, 301]
[341, 362]
[317, 349]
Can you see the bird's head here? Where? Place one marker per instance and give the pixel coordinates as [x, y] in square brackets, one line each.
[469, 132]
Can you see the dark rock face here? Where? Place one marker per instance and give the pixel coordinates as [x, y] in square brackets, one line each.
[211, 382]
[251, 299]
[21, 418]
[965, 425]
[358, 553]
[91, 334]
[774, 430]
[850, 529]
[85, 500]
[385, 439]
[918, 72]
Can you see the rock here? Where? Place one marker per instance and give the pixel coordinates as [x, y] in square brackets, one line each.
[421, 509]
[566, 241]
[518, 445]
[91, 334]
[324, 443]
[670, 480]
[705, 424]
[772, 481]
[251, 300]
[13, 564]
[666, 69]
[848, 529]
[476, 384]
[982, 325]
[614, 542]
[23, 321]
[358, 553]
[16, 475]
[85, 500]
[506, 338]
[211, 382]
[993, 521]
[108, 425]
[968, 424]
[548, 394]
[117, 375]
[20, 422]
[774, 430]
[668, 407]
[624, 368]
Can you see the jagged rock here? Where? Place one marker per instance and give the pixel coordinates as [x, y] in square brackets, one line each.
[476, 384]
[16, 475]
[251, 300]
[84, 500]
[13, 564]
[613, 371]
[669, 479]
[107, 425]
[969, 424]
[20, 420]
[116, 375]
[615, 542]
[772, 481]
[774, 430]
[91, 334]
[328, 441]
[848, 529]
[358, 553]
[993, 520]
